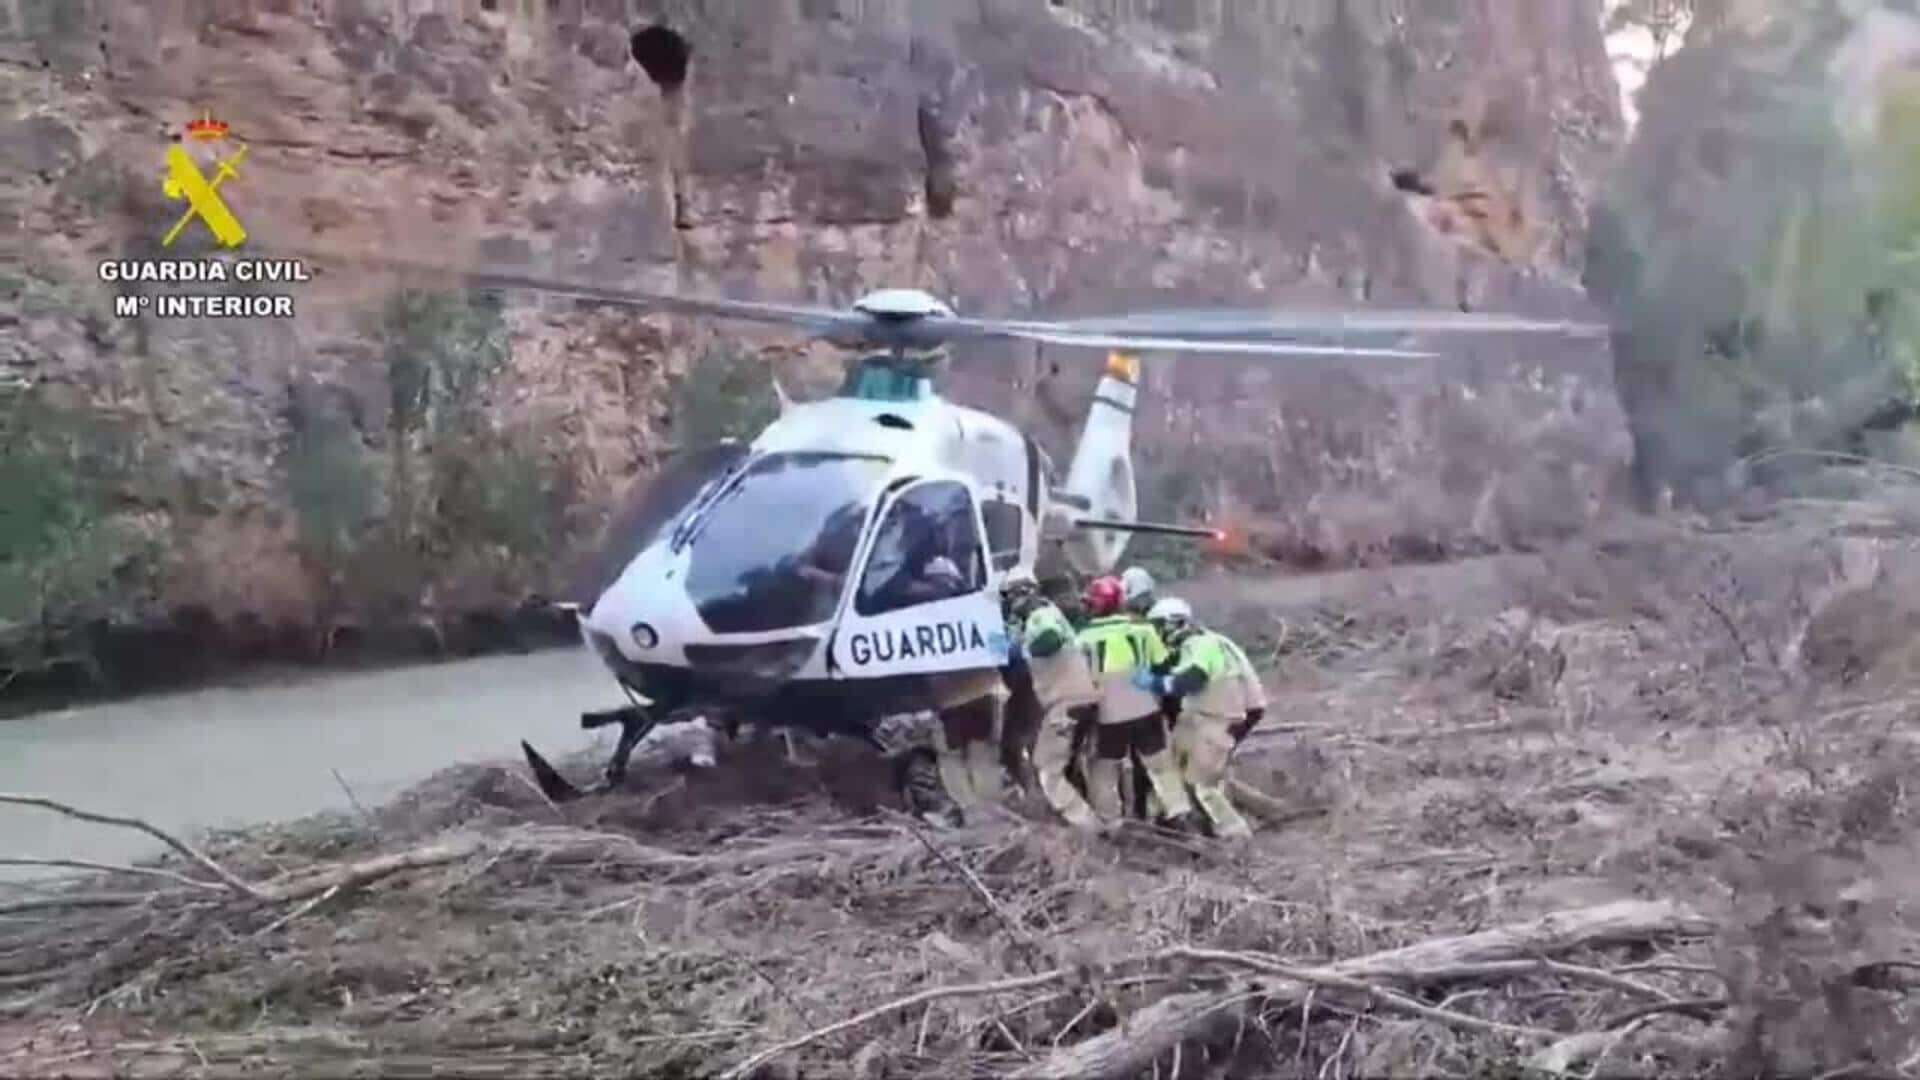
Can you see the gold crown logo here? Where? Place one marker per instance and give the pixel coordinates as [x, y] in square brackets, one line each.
[206, 129]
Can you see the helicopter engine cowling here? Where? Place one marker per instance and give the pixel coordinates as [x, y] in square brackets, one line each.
[1100, 481]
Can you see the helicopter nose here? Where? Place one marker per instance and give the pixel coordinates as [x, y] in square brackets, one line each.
[633, 637]
[635, 628]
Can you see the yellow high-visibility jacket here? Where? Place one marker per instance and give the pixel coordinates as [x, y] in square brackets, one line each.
[1117, 645]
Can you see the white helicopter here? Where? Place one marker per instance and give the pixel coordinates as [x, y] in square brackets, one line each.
[845, 564]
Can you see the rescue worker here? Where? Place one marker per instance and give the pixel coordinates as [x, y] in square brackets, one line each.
[1221, 700]
[1020, 711]
[1137, 587]
[1130, 720]
[1063, 686]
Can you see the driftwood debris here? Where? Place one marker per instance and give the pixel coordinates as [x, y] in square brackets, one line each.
[1167, 1024]
[192, 854]
[1158, 1029]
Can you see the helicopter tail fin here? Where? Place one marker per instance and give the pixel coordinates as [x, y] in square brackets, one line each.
[1100, 481]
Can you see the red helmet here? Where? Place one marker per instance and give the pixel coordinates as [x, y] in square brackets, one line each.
[1103, 596]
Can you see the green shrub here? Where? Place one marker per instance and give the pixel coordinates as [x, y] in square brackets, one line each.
[1756, 254]
[455, 495]
[63, 554]
[499, 492]
[331, 484]
[727, 392]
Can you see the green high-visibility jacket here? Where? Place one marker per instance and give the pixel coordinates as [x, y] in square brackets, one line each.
[1213, 677]
[1046, 632]
[1060, 673]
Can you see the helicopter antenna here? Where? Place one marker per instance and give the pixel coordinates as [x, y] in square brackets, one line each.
[780, 394]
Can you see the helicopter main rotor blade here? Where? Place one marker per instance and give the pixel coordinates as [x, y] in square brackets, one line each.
[818, 320]
[1267, 333]
[1046, 335]
[1256, 324]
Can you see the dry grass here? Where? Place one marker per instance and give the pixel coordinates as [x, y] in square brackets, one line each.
[1635, 720]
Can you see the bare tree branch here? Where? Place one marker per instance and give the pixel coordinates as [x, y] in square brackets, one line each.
[115, 868]
[193, 854]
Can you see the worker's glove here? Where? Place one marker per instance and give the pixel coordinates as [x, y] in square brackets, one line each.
[1144, 679]
[1000, 643]
[1240, 730]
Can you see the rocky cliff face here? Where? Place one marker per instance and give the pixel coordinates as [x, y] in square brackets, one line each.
[1012, 154]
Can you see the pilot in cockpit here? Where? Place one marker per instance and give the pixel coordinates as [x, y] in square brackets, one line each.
[933, 564]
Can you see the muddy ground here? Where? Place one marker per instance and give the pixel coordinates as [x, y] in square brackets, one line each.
[1724, 719]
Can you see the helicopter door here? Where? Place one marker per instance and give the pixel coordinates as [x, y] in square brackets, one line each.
[1005, 532]
[922, 604]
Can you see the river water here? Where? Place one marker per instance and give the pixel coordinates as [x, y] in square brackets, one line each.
[222, 757]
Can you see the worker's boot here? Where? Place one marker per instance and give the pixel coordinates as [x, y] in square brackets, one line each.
[925, 792]
[1227, 822]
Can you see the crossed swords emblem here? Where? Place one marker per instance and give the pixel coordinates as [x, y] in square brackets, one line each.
[184, 181]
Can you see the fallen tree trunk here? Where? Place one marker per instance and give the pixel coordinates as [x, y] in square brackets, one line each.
[368, 871]
[1159, 1028]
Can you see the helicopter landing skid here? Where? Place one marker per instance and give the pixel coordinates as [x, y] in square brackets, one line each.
[634, 726]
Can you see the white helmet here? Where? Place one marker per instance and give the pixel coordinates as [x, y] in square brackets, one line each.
[1136, 587]
[1171, 609]
[1173, 618]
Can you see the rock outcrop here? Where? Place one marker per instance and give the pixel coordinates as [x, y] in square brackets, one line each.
[1014, 155]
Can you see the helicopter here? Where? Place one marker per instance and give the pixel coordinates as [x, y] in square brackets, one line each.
[844, 564]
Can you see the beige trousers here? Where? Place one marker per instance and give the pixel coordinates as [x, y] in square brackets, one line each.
[1203, 747]
[1052, 754]
[967, 743]
[1114, 745]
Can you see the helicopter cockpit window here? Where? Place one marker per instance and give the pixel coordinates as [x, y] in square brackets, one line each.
[1003, 532]
[654, 505]
[776, 549]
[927, 549]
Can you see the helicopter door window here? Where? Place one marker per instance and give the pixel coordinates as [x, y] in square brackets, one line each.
[1003, 532]
[927, 549]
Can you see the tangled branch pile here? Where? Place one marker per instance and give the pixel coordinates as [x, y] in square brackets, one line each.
[1669, 843]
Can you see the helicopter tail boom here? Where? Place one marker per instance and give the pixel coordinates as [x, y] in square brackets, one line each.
[1099, 485]
[1197, 532]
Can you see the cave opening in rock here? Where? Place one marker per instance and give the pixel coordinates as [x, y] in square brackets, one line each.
[941, 185]
[1410, 181]
[663, 54]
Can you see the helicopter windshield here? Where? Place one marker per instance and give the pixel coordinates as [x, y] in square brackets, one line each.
[653, 505]
[774, 552]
